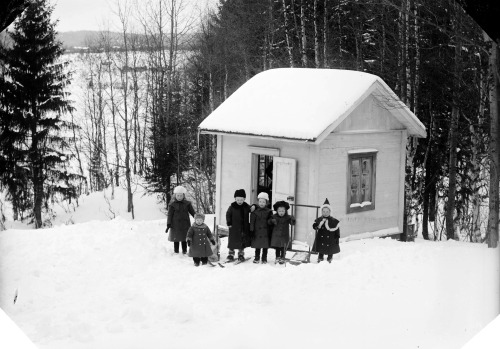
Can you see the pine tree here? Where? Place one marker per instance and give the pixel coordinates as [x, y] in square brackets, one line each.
[36, 103]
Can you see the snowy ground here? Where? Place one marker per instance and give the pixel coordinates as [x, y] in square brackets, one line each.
[101, 284]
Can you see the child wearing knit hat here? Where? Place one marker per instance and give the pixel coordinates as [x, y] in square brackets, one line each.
[328, 233]
[178, 221]
[259, 228]
[198, 238]
[238, 222]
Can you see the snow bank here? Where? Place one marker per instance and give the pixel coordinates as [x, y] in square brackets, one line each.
[100, 206]
[118, 284]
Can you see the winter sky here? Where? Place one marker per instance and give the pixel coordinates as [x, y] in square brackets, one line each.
[97, 14]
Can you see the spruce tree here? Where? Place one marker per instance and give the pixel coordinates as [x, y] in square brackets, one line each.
[36, 101]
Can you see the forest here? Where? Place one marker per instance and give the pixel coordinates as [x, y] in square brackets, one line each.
[126, 113]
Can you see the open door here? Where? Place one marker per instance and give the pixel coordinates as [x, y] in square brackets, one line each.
[284, 176]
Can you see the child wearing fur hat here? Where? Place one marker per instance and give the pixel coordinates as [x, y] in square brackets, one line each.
[178, 221]
[281, 222]
[237, 220]
[259, 228]
[198, 236]
[328, 235]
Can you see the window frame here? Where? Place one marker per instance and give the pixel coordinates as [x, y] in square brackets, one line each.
[358, 155]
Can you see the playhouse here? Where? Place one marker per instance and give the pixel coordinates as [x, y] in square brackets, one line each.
[304, 135]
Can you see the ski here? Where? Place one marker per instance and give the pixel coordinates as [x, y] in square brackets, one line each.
[214, 265]
[239, 262]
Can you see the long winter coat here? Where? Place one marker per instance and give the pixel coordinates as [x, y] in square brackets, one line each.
[327, 241]
[237, 218]
[259, 227]
[281, 229]
[201, 238]
[178, 219]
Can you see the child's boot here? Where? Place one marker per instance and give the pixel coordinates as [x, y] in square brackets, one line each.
[241, 258]
[196, 264]
[230, 258]
[256, 260]
[264, 260]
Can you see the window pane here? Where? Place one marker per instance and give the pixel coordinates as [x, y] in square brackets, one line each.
[355, 181]
[366, 177]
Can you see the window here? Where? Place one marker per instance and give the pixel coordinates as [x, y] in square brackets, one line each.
[361, 181]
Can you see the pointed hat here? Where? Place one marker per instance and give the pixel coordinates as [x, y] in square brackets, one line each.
[327, 205]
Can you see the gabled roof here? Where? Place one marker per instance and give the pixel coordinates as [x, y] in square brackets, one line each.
[303, 104]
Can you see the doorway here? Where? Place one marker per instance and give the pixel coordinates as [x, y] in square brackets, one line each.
[262, 177]
[275, 176]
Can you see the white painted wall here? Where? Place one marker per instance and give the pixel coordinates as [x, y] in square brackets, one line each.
[333, 179]
[235, 173]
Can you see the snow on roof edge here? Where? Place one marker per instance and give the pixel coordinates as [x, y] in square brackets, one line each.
[222, 132]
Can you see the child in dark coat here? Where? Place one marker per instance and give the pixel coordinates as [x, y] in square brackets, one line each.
[281, 222]
[238, 222]
[198, 237]
[178, 221]
[259, 228]
[328, 236]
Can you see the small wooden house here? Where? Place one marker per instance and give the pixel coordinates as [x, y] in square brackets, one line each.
[310, 134]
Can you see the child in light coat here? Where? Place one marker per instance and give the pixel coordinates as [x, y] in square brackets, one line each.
[178, 221]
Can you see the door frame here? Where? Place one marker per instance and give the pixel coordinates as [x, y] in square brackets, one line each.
[255, 151]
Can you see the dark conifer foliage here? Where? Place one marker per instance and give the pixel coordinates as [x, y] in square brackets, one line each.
[34, 134]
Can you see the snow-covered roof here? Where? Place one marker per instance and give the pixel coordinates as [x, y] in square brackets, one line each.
[303, 104]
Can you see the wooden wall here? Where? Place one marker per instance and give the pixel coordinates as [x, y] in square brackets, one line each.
[235, 173]
[368, 127]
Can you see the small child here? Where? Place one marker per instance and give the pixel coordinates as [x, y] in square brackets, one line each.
[178, 221]
[237, 220]
[198, 236]
[327, 238]
[259, 228]
[281, 221]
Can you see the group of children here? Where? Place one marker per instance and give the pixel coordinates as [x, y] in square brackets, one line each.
[253, 226]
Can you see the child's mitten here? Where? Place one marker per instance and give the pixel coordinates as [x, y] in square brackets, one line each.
[213, 242]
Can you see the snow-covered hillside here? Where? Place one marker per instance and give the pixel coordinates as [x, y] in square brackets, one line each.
[104, 283]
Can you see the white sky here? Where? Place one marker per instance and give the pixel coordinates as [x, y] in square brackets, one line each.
[93, 14]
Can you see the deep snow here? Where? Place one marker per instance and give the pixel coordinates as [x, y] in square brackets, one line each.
[101, 284]
[296, 96]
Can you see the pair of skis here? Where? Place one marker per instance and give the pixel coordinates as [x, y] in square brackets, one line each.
[235, 262]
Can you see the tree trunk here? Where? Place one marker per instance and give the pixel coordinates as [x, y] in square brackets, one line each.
[38, 194]
[494, 151]
[287, 35]
[453, 135]
[316, 36]
[325, 28]
[303, 33]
